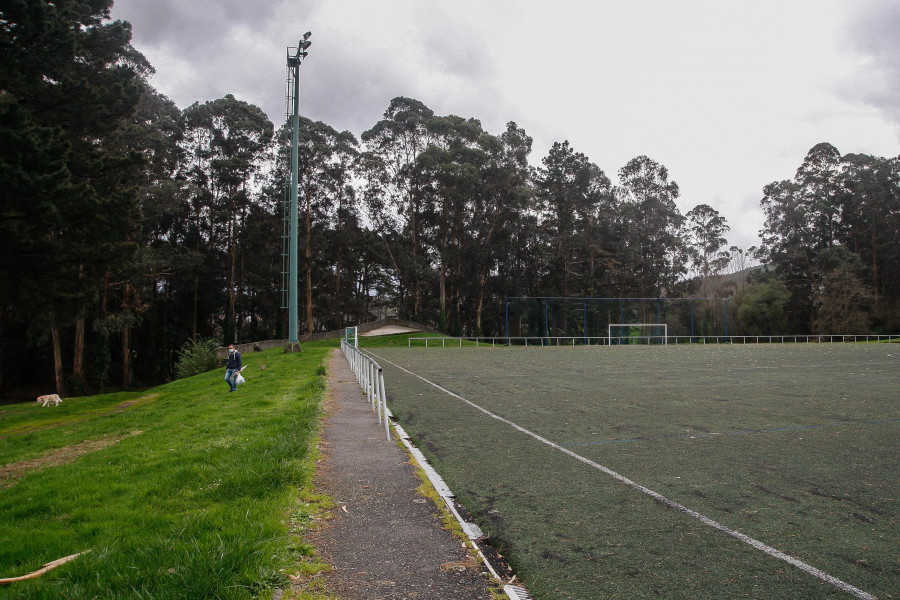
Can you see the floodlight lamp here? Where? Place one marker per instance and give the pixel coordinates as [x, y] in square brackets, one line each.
[306, 35]
[305, 45]
[303, 54]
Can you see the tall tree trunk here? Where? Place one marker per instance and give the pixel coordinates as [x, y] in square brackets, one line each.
[457, 292]
[396, 267]
[232, 269]
[875, 273]
[443, 294]
[482, 272]
[126, 340]
[480, 305]
[78, 358]
[126, 357]
[309, 306]
[196, 310]
[57, 361]
[238, 294]
[444, 317]
[338, 303]
[414, 280]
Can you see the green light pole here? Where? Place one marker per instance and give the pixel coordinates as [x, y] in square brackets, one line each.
[293, 63]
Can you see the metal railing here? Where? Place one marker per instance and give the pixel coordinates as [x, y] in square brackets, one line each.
[444, 342]
[371, 379]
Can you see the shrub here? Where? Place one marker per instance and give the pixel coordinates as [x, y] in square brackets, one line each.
[762, 310]
[195, 357]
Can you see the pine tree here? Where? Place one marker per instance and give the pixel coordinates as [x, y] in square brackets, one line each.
[68, 79]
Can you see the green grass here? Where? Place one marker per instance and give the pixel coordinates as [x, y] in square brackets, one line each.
[794, 445]
[414, 340]
[189, 492]
[400, 340]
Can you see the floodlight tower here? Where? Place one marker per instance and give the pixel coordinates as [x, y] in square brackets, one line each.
[293, 64]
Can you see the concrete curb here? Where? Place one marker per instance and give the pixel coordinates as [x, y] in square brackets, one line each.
[384, 541]
[472, 531]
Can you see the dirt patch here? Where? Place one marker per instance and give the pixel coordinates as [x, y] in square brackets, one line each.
[126, 405]
[11, 473]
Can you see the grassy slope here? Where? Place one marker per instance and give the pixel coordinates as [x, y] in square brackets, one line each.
[187, 493]
[400, 340]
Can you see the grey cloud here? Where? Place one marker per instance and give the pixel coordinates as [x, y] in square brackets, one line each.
[346, 93]
[875, 32]
[199, 24]
[452, 46]
[346, 81]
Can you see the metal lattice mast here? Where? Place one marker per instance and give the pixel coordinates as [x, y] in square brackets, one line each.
[293, 64]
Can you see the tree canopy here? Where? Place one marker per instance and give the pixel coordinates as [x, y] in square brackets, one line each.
[129, 226]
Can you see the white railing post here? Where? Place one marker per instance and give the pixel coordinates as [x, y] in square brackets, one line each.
[373, 384]
[370, 376]
[387, 431]
[369, 383]
[378, 394]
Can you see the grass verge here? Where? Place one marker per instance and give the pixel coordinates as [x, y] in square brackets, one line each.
[185, 491]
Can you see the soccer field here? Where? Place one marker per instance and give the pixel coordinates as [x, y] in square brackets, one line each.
[728, 471]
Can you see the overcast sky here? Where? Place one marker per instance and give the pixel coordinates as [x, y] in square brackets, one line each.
[729, 96]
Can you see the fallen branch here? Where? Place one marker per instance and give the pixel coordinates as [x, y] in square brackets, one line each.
[48, 567]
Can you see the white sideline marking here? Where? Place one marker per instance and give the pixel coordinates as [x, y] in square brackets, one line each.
[846, 587]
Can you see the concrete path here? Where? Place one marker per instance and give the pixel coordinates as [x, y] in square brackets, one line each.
[385, 540]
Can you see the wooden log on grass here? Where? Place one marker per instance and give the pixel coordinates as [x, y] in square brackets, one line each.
[48, 567]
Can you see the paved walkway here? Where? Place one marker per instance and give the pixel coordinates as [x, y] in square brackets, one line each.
[385, 541]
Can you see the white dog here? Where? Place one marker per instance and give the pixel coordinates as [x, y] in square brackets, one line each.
[45, 400]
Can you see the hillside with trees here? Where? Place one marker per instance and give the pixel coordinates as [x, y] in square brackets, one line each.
[129, 225]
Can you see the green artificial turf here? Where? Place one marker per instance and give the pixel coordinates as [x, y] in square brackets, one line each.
[793, 445]
[182, 491]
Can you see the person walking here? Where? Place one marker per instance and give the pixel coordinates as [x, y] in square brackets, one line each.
[232, 367]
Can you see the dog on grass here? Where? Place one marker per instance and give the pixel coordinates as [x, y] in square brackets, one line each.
[46, 400]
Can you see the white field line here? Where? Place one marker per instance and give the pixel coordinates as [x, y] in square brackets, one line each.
[846, 587]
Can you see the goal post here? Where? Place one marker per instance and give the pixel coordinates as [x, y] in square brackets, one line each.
[638, 333]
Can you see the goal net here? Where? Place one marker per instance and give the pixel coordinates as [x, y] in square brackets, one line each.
[638, 333]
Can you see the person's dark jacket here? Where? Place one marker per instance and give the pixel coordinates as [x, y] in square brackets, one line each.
[234, 360]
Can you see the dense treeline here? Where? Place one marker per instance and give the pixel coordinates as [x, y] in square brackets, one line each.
[129, 226]
[832, 235]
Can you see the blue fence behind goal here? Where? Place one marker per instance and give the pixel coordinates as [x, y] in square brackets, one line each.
[586, 318]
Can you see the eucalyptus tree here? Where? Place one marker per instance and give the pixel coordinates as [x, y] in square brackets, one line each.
[449, 170]
[227, 142]
[395, 195]
[706, 230]
[803, 220]
[818, 178]
[347, 242]
[789, 244]
[496, 213]
[870, 215]
[325, 160]
[652, 252]
[574, 197]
